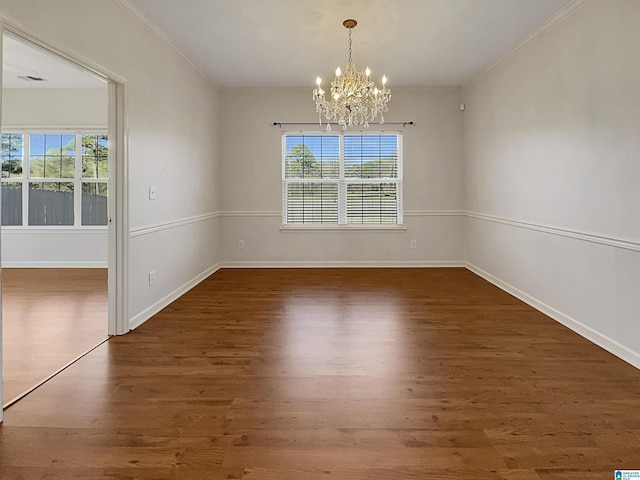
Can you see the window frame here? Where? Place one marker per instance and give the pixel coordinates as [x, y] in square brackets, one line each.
[77, 180]
[342, 181]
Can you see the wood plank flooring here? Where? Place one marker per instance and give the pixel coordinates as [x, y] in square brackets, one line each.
[50, 317]
[376, 374]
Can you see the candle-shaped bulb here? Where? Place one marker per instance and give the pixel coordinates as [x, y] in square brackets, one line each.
[338, 72]
[318, 81]
[384, 79]
[367, 72]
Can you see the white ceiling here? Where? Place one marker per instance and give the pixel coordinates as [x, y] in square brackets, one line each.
[20, 59]
[259, 43]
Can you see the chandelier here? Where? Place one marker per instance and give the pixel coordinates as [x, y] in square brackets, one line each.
[355, 99]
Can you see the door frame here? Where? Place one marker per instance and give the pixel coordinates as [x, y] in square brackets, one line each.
[118, 206]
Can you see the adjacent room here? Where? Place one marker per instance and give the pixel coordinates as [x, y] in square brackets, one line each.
[421, 264]
[54, 214]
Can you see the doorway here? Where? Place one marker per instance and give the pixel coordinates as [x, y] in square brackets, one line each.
[58, 178]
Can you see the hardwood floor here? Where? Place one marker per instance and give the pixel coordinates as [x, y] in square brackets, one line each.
[50, 317]
[376, 374]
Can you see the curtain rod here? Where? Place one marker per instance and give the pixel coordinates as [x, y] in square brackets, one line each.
[280, 124]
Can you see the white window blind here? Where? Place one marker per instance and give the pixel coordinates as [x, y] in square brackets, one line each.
[342, 179]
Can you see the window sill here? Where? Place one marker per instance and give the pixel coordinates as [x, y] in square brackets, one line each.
[343, 228]
[54, 229]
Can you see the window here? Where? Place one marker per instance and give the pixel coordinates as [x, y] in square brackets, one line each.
[54, 179]
[342, 179]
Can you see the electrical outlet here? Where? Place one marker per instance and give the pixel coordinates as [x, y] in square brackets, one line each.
[152, 277]
[240, 243]
[413, 243]
[152, 193]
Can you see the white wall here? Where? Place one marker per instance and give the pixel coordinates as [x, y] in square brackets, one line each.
[172, 140]
[251, 166]
[54, 107]
[552, 168]
[24, 108]
[54, 248]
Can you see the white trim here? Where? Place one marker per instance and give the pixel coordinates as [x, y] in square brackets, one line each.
[626, 244]
[147, 229]
[118, 212]
[55, 128]
[433, 213]
[345, 264]
[77, 183]
[26, 230]
[554, 230]
[152, 310]
[56, 264]
[556, 19]
[247, 213]
[146, 22]
[589, 333]
[334, 227]
[1, 321]
[23, 33]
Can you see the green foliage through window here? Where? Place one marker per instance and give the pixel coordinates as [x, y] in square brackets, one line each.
[95, 156]
[12, 155]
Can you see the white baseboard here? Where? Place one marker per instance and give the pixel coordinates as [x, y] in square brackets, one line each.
[36, 264]
[343, 264]
[149, 312]
[589, 333]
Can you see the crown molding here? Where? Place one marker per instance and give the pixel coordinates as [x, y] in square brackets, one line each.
[556, 19]
[155, 29]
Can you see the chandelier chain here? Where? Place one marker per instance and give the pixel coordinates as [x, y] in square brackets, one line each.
[350, 46]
